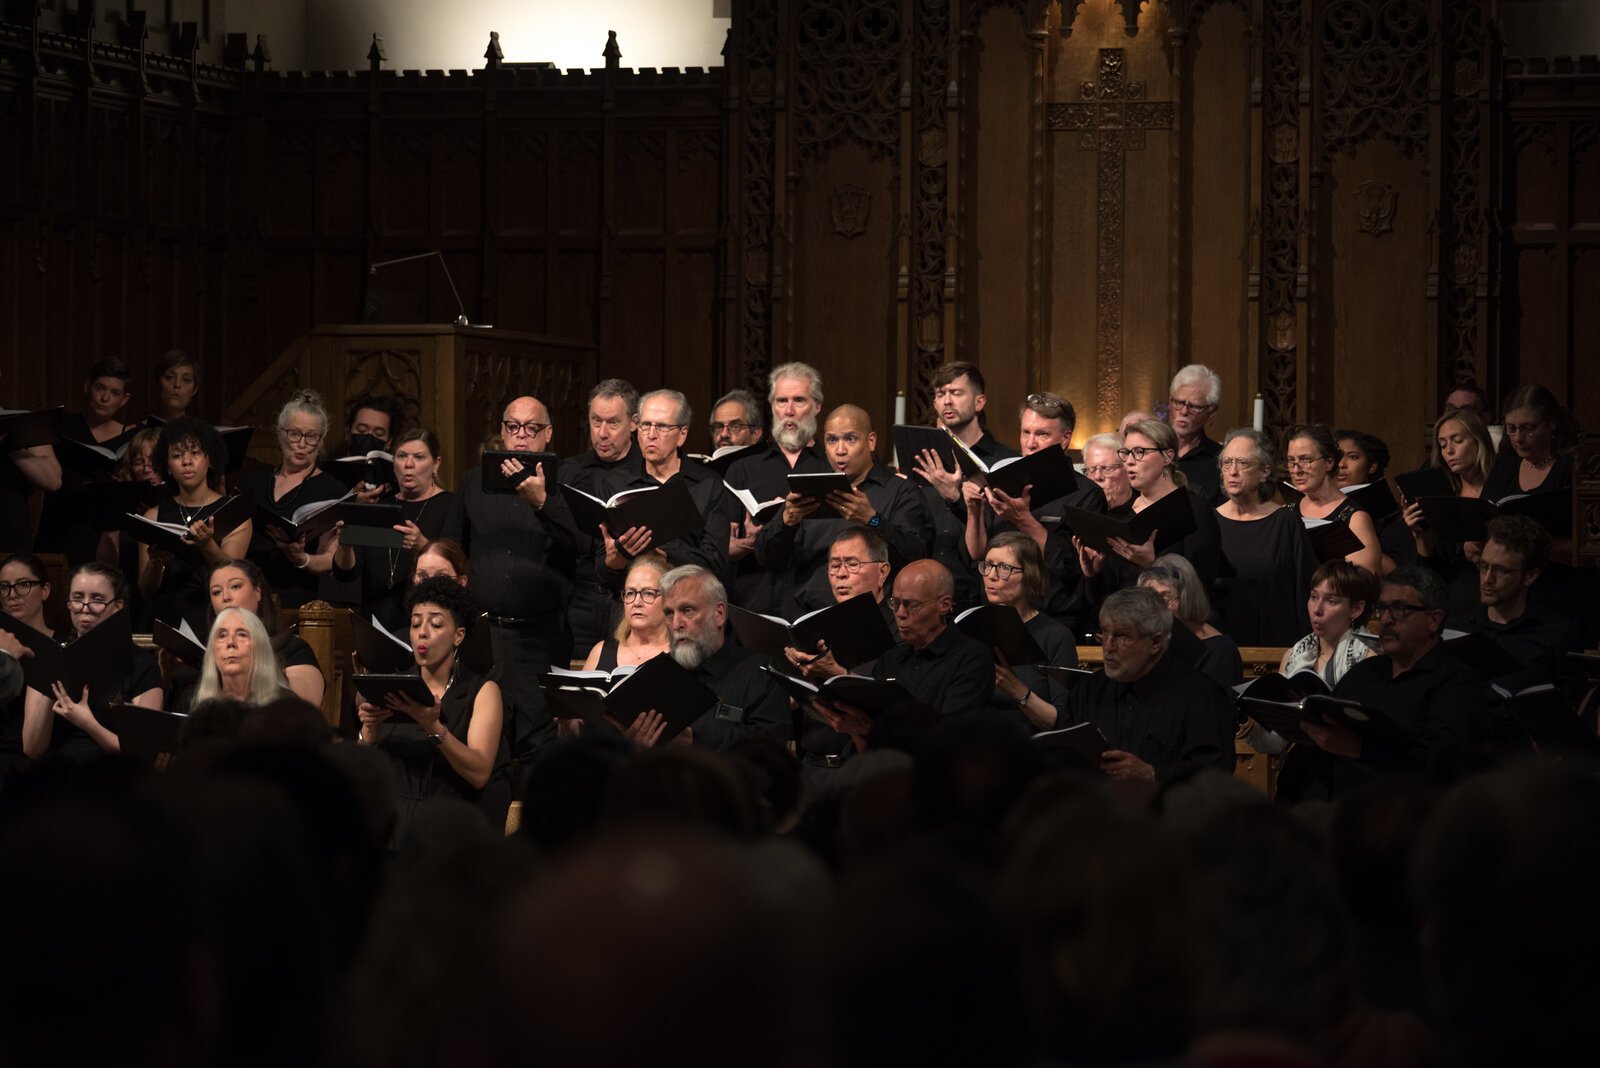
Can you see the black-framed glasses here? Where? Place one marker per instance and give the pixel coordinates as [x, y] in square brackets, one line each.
[643, 596]
[1399, 611]
[849, 565]
[1137, 453]
[1305, 463]
[511, 428]
[77, 602]
[733, 426]
[910, 607]
[310, 437]
[994, 567]
[22, 587]
[1189, 406]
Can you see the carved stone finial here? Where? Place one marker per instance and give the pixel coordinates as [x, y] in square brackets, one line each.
[613, 52]
[494, 54]
[376, 56]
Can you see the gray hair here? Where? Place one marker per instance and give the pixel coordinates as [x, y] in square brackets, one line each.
[1432, 593]
[1175, 571]
[1109, 440]
[795, 369]
[1265, 455]
[709, 583]
[1141, 608]
[266, 678]
[684, 413]
[1198, 374]
[304, 402]
[749, 402]
[607, 388]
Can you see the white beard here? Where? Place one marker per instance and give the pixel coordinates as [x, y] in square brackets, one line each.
[690, 653]
[793, 439]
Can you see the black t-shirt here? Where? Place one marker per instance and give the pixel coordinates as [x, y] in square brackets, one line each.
[954, 673]
[1174, 719]
[385, 574]
[70, 743]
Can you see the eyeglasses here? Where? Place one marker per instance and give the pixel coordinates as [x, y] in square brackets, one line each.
[642, 596]
[21, 587]
[1232, 464]
[1137, 453]
[849, 564]
[1494, 571]
[650, 430]
[1102, 469]
[1300, 463]
[1108, 640]
[1516, 430]
[512, 429]
[911, 608]
[1044, 404]
[736, 426]
[93, 605]
[310, 437]
[1399, 611]
[1189, 406]
[1002, 571]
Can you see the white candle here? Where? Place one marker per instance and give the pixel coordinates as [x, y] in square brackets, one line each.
[899, 418]
[1260, 419]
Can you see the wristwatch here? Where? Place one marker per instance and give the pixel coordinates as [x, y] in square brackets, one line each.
[875, 520]
[437, 739]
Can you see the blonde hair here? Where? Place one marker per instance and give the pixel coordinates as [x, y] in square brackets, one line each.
[1473, 424]
[624, 631]
[266, 678]
[1166, 440]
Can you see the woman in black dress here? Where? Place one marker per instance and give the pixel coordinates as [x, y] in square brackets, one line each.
[1269, 557]
[1149, 455]
[642, 632]
[69, 725]
[192, 454]
[1312, 456]
[239, 662]
[455, 747]
[293, 567]
[1466, 452]
[1012, 570]
[385, 574]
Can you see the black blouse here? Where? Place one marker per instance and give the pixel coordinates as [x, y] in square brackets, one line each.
[385, 574]
[295, 586]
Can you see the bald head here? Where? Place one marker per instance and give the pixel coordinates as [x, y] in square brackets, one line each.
[848, 441]
[525, 425]
[923, 592]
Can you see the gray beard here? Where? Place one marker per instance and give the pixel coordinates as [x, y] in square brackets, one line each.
[690, 653]
[793, 440]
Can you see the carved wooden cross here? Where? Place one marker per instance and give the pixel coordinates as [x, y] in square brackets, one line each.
[1111, 120]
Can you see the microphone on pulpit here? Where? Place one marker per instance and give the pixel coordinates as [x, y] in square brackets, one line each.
[461, 319]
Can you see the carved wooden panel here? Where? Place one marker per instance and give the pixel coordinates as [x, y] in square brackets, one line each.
[1284, 31]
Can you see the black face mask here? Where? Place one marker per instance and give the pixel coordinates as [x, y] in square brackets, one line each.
[361, 444]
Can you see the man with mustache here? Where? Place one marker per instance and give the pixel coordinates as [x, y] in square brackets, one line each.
[794, 391]
[1163, 719]
[696, 606]
[1434, 699]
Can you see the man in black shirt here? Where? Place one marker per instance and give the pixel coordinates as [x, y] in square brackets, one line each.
[858, 562]
[1432, 699]
[1512, 559]
[941, 666]
[1196, 392]
[1164, 720]
[522, 555]
[795, 395]
[696, 606]
[613, 416]
[736, 420]
[663, 427]
[797, 543]
[958, 398]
